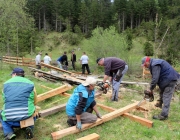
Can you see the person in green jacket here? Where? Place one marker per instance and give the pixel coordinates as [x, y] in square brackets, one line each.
[19, 103]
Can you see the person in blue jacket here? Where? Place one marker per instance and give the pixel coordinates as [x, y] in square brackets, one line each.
[165, 77]
[81, 104]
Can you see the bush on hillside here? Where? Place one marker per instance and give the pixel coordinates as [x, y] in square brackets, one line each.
[148, 49]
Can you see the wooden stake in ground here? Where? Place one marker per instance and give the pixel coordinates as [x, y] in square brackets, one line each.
[105, 118]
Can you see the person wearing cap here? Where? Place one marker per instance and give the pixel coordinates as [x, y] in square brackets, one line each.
[115, 69]
[165, 77]
[81, 104]
[19, 103]
[73, 59]
[38, 60]
[84, 61]
[47, 59]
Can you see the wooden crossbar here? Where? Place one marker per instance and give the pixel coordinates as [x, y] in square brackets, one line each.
[105, 118]
[141, 120]
[53, 92]
[55, 68]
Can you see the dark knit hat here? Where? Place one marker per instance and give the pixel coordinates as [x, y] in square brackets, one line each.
[98, 60]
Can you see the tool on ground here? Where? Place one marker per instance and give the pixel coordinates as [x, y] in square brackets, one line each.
[148, 96]
[103, 86]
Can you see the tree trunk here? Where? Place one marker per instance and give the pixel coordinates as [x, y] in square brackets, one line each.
[39, 20]
[56, 22]
[60, 26]
[123, 26]
[17, 44]
[44, 17]
[31, 46]
[131, 21]
[119, 23]
[155, 33]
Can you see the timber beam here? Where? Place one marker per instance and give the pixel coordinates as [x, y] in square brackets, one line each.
[72, 130]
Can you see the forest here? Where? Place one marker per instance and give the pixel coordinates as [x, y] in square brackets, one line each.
[25, 22]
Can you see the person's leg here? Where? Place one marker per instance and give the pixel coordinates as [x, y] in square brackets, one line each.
[167, 95]
[160, 100]
[83, 68]
[116, 85]
[8, 129]
[87, 68]
[73, 65]
[59, 65]
[88, 118]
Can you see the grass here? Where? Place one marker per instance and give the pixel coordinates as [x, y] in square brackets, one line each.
[119, 128]
[116, 129]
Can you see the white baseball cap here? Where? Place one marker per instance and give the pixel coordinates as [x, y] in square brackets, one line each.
[89, 81]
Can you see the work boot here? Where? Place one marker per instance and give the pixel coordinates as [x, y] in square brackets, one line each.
[10, 136]
[160, 117]
[159, 104]
[70, 122]
[29, 133]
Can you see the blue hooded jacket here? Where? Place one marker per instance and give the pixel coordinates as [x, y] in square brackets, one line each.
[74, 99]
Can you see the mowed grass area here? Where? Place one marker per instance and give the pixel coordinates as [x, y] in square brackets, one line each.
[117, 129]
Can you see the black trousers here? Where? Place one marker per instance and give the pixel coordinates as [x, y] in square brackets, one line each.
[87, 68]
[73, 65]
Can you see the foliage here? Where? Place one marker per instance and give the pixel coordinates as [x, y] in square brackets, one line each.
[148, 49]
[108, 43]
[16, 25]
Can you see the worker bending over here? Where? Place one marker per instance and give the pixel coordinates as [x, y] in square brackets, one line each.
[81, 104]
[165, 77]
[115, 69]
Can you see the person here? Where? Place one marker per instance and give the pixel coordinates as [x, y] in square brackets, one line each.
[19, 103]
[38, 60]
[73, 59]
[47, 59]
[84, 61]
[81, 104]
[165, 77]
[115, 69]
[63, 60]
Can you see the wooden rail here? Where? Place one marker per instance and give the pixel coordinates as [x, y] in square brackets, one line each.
[20, 61]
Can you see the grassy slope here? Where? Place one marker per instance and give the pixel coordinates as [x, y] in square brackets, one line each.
[120, 128]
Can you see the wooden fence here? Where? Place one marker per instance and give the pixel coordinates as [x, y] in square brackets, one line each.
[20, 61]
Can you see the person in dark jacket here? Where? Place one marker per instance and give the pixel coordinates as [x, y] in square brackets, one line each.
[19, 104]
[63, 62]
[115, 69]
[81, 104]
[73, 59]
[165, 77]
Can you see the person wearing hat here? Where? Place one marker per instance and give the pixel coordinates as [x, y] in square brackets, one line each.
[38, 60]
[165, 77]
[81, 104]
[19, 103]
[47, 59]
[115, 69]
[73, 59]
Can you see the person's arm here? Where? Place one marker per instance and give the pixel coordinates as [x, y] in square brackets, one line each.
[155, 76]
[105, 78]
[80, 106]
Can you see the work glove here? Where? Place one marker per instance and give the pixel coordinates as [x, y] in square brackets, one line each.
[79, 125]
[98, 115]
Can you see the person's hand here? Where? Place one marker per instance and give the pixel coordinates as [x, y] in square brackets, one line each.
[79, 125]
[98, 115]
